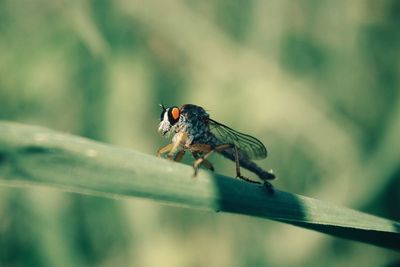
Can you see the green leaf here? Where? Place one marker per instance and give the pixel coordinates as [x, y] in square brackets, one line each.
[32, 155]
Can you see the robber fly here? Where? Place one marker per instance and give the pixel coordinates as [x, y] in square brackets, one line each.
[196, 132]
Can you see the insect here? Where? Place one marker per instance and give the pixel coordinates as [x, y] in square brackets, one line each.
[196, 132]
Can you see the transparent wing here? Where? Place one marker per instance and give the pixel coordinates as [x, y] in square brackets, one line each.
[251, 147]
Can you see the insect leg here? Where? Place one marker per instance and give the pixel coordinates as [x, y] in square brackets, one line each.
[237, 160]
[206, 163]
[238, 174]
[201, 160]
[179, 155]
[267, 185]
[175, 147]
[164, 149]
[197, 149]
[200, 148]
[171, 149]
[180, 140]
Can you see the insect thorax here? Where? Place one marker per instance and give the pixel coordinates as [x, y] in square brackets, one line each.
[194, 121]
[198, 131]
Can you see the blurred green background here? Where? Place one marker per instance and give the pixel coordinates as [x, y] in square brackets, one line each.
[316, 81]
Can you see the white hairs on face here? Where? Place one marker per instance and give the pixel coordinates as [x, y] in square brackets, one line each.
[164, 126]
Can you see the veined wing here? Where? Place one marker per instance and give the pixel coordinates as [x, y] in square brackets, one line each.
[251, 147]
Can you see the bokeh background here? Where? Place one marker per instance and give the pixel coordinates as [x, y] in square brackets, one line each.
[316, 81]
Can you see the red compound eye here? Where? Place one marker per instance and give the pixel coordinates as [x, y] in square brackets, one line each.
[175, 113]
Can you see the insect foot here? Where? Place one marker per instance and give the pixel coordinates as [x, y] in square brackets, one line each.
[244, 178]
[269, 187]
[196, 166]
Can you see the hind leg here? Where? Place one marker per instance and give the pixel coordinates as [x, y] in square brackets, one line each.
[238, 174]
[219, 149]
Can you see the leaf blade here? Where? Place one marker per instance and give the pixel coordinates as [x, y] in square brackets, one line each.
[32, 155]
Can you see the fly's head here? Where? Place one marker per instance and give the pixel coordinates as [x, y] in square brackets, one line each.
[168, 119]
[188, 118]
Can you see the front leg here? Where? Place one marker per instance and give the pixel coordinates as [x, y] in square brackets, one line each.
[171, 149]
[178, 141]
[164, 149]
